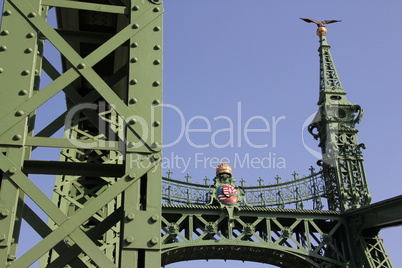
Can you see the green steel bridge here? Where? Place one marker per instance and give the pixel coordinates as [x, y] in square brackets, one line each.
[104, 213]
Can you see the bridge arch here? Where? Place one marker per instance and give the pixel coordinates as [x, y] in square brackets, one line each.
[237, 251]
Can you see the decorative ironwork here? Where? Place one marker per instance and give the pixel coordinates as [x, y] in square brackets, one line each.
[296, 193]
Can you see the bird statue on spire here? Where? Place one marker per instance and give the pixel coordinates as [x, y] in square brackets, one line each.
[322, 30]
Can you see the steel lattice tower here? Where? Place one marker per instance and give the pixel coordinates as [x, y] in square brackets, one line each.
[110, 205]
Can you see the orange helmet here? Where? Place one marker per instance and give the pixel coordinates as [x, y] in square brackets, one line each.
[223, 168]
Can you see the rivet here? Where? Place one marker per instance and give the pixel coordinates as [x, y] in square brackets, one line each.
[156, 102]
[129, 239]
[1, 70]
[157, 62]
[5, 32]
[157, 28]
[17, 137]
[156, 9]
[156, 124]
[5, 212]
[156, 156]
[132, 121]
[81, 65]
[32, 15]
[3, 48]
[133, 81]
[2, 237]
[156, 83]
[155, 145]
[28, 50]
[36, 71]
[30, 35]
[155, 217]
[135, 26]
[133, 101]
[136, 8]
[157, 47]
[132, 175]
[19, 113]
[154, 240]
[7, 12]
[23, 92]
[130, 144]
[25, 72]
[134, 60]
[130, 216]
[134, 44]
[12, 170]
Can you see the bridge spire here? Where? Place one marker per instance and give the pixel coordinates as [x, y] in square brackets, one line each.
[334, 127]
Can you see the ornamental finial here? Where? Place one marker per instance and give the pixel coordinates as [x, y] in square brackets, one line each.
[322, 30]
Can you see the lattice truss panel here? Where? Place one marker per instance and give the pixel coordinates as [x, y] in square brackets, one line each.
[111, 75]
[282, 239]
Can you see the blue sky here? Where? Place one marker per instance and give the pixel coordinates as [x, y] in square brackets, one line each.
[258, 53]
[256, 63]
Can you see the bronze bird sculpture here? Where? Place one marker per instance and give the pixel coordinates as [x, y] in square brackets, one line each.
[320, 23]
[322, 30]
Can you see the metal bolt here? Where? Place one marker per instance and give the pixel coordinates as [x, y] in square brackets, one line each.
[129, 239]
[130, 144]
[19, 113]
[130, 216]
[81, 65]
[154, 240]
[132, 121]
[17, 137]
[132, 175]
[155, 217]
[5, 212]
[2, 237]
[23, 92]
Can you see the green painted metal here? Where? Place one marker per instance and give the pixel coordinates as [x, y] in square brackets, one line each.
[106, 209]
[110, 151]
[335, 125]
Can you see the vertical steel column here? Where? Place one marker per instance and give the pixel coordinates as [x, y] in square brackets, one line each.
[106, 207]
[19, 45]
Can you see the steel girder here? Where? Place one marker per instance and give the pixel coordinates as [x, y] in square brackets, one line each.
[283, 237]
[109, 178]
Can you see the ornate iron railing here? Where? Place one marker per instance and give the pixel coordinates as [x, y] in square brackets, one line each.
[293, 194]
